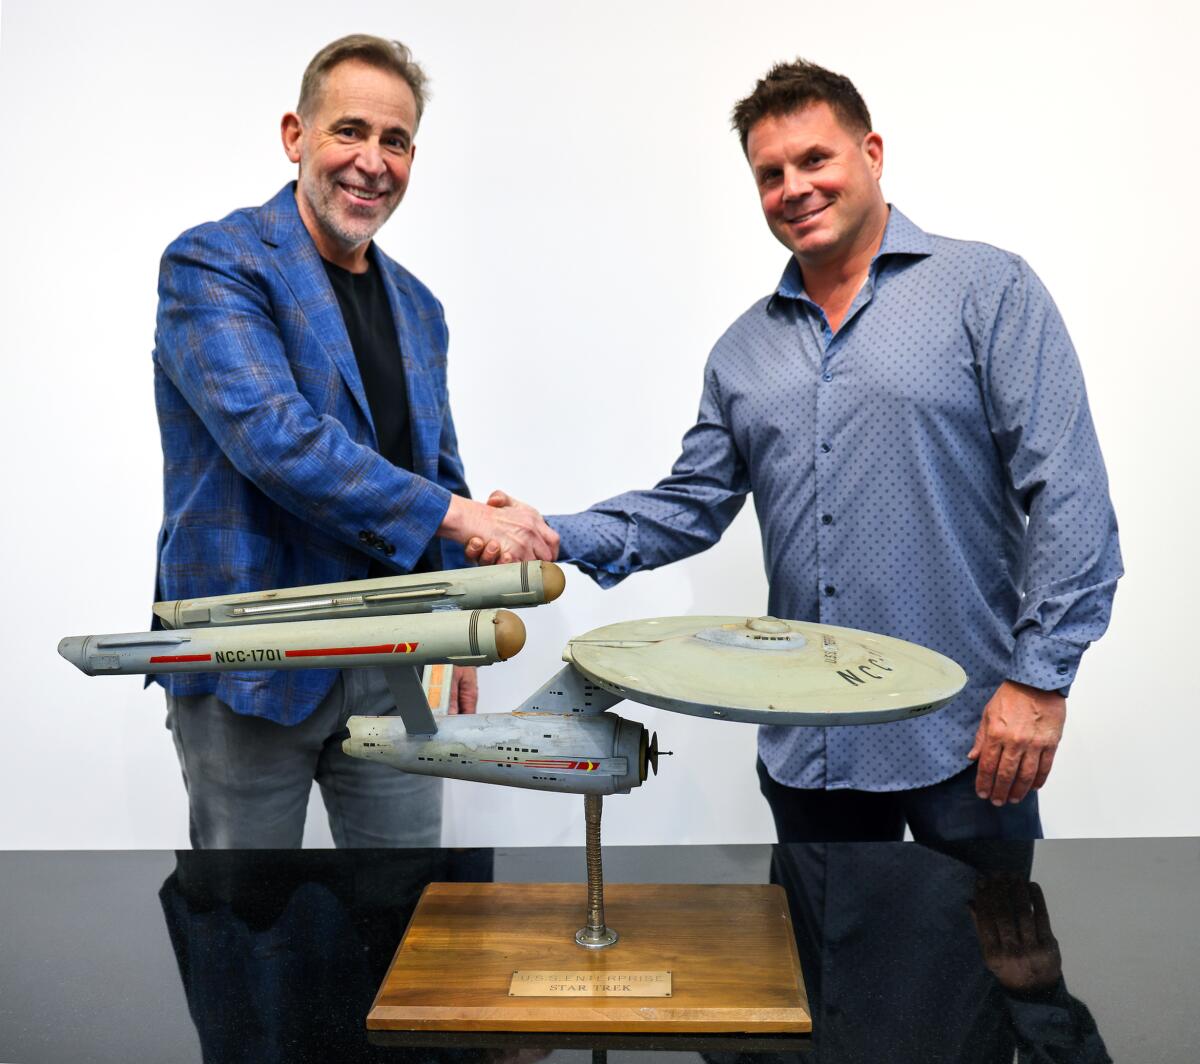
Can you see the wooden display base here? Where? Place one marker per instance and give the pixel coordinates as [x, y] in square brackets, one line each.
[729, 950]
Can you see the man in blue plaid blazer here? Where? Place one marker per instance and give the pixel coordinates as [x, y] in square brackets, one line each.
[271, 463]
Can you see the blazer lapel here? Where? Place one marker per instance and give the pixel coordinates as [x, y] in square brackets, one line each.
[302, 271]
[424, 419]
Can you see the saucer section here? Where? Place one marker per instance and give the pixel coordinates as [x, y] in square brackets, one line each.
[766, 670]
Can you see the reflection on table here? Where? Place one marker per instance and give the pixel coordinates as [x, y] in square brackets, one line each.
[909, 954]
[280, 954]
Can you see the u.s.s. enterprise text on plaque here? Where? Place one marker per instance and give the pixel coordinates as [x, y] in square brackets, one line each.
[531, 983]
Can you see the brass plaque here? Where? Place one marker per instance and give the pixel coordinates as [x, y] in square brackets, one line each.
[571, 984]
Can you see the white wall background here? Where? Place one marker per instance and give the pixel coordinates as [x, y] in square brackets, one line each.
[581, 208]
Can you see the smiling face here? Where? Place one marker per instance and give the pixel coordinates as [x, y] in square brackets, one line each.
[819, 185]
[355, 151]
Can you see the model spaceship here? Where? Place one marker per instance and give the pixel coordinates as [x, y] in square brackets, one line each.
[564, 736]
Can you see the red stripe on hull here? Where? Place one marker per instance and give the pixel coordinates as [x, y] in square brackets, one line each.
[564, 766]
[329, 652]
[167, 659]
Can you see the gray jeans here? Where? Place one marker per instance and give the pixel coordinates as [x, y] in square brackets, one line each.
[248, 779]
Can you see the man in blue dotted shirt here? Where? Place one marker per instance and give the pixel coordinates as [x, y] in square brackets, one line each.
[910, 416]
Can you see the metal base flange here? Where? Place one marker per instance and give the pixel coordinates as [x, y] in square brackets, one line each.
[590, 939]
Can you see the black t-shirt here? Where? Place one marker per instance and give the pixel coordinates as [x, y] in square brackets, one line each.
[372, 330]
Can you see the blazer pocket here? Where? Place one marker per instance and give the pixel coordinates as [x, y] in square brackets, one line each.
[201, 560]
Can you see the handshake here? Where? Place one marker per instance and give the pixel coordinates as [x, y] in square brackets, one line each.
[503, 530]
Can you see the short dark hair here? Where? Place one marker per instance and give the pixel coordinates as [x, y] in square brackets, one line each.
[793, 86]
[374, 51]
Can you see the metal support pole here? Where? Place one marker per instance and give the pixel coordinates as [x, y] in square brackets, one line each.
[596, 935]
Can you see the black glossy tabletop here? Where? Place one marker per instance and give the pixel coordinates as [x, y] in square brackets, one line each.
[1067, 950]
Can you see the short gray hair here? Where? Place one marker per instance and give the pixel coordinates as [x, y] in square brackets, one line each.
[378, 52]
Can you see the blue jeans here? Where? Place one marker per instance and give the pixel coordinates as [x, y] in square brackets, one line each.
[944, 812]
[248, 779]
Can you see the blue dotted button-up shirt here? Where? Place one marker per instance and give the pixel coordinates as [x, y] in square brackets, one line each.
[930, 472]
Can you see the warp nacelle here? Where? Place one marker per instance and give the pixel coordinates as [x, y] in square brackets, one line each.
[598, 754]
[476, 637]
[513, 585]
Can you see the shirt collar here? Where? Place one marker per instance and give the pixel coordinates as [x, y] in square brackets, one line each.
[900, 237]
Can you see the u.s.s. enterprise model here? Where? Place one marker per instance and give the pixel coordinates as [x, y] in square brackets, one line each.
[563, 737]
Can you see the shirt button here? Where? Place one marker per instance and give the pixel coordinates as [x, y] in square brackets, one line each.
[826, 519]
[830, 590]
[364, 536]
[825, 448]
[1062, 670]
[826, 376]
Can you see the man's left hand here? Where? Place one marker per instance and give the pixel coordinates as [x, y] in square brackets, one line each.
[1015, 743]
[464, 689]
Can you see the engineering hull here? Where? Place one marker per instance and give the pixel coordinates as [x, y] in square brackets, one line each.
[600, 754]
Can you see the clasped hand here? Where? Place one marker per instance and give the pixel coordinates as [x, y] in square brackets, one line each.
[503, 530]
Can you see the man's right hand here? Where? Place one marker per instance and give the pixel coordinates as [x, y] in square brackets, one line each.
[505, 530]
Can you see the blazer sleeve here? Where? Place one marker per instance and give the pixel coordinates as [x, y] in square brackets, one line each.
[218, 341]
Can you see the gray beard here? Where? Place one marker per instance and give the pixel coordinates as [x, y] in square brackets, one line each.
[321, 198]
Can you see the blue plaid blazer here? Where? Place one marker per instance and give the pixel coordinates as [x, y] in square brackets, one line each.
[271, 476]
